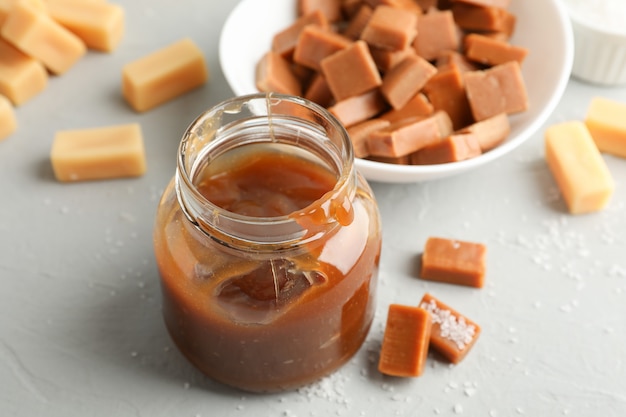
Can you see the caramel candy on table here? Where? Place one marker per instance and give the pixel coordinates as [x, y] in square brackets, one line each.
[21, 77]
[454, 261]
[99, 24]
[29, 27]
[351, 71]
[452, 335]
[578, 168]
[8, 122]
[390, 28]
[98, 153]
[499, 89]
[405, 341]
[606, 121]
[164, 75]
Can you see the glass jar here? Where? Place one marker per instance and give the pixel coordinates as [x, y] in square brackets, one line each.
[267, 242]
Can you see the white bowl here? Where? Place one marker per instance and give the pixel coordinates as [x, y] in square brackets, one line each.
[599, 41]
[543, 27]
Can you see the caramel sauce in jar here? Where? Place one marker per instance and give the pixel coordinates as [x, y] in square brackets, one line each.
[267, 242]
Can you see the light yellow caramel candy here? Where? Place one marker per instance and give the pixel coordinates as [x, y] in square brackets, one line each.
[29, 27]
[606, 121]
[98, 23]
[98, 153]
[21, 77]
[578, 168]
[8, 122]
[163, 75]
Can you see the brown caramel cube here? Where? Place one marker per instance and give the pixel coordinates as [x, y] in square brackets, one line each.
[315, 44]
[284, 42]
[405, 80]
[446, 92]
[330, 8]
[356, 109]
[359, 135]
[390, 28]
[437, 32]
[454, 261]
[500, 89]
[490, 132]
[351, 71]
[491, 52]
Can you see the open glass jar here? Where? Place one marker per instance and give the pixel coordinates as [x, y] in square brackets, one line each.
[268, 243]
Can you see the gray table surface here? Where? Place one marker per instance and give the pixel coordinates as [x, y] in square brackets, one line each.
[81, 332]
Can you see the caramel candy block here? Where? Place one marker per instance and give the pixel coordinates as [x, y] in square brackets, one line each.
[454, 148]
[606, 121]
[29, 27]
[399, 160]
[405, 5]
[437, 32]
[417, 106]
[5, 6]
[357, 23]
[409, 135]
[8, 121]
[285, 41]
[490, 132]
[359, 135]
[485, 19]
[405, 80]
[351, 71]
[330, 8]
[453, 335]
[99, 24]
[454, 262]
[405, 342]
[350, 7]
[21, 77]
[318, 92]
[274, 74]
[500, 89]
[386, 59]
[446, 91]
[390, 28]
[98, 153]
[578, 168]
[164, 75]
[356, 109]
[491, 52]
[447, 60]
[315, 44]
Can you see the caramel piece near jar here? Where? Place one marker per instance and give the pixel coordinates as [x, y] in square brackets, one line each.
[315, 44]
[274, 74]
[351, 71]
[452, 335]
[454, 148]
[578, 167]
[359, 108]
[285, 41]
[98, 153]
[359, 135]
[405, 342]
[454, 261]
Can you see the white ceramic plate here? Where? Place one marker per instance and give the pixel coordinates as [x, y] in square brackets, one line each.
[543, 27]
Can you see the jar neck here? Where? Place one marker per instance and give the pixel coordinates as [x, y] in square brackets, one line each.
[288, 124]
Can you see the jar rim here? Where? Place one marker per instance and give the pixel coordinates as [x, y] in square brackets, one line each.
[191, 199]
